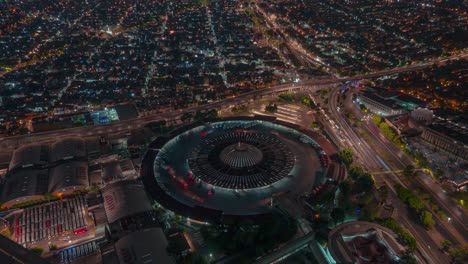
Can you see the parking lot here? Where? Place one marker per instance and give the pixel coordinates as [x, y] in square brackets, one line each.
[63, 218]
[82, 253]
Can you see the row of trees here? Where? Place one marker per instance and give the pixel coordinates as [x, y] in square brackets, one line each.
[459, 254]
[239, 108]
[204, 116]
[357, 197]
[416, 205]
[409, 240]
[388, 132]
[250, 238]
[286, 97]
[315, 124]
[362, 178]
[385, 128]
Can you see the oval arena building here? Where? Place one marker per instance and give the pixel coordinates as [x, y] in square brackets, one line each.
[231, 168]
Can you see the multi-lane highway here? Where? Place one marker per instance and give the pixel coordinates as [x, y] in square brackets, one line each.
[397, 160]
[367, 156]
[15, 141]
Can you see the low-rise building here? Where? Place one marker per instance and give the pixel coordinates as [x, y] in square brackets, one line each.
[123, 199]
[352, 242]
[448, 136]
[143, 246]
[379, 105]
[24, 185]
[386, 102]
[38, 169]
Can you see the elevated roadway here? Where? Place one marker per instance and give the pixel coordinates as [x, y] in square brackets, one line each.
[311, 84]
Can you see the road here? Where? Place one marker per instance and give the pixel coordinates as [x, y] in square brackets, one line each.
[398, 160]
[367, 156]
[16, 141]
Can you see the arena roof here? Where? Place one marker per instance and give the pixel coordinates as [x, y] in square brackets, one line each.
[123, 199]
[30, 155]
[145, 246]
[24, 183]
[199, 171]
[69, 174]
[67, 149]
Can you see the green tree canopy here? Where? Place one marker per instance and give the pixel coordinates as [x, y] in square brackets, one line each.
[338, 215]
[307, 101]
[426, 219]
[37, 250]
[415, 203]
[376, 119]
[346, 156]
[459, 254]
[355, 172]
[446, 244]
[271, 108]
[408, 171]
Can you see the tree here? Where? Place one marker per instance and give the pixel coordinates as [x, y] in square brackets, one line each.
[363, 108]
[408, 258]
[408, 171]
[186, 117]
[410, 241]
[439, 173]
[383, 193]
[376, 119]
[49, 196]
[426, 219]
[446, 245]
[193, 258]
[287, 97]
[346, 156]
[271, 108]
[206, 116]
[415, 203]
[407, 238]
[366, 182]
[459, 254]
[338, 215]
[307, 101]
[403, 193]
[315, 124]
[345, 188]
[355, 172]
[37, 250]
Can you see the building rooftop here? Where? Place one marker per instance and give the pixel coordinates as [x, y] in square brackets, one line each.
[67, 149]
[13, 253]
[30, 155]
[389, 102]
[24, 183]
[68, 174]
[364, 242]
[458, 132]
[144, 246]
[123, 199]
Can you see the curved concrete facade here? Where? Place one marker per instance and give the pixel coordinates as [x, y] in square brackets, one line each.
[171, 182]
